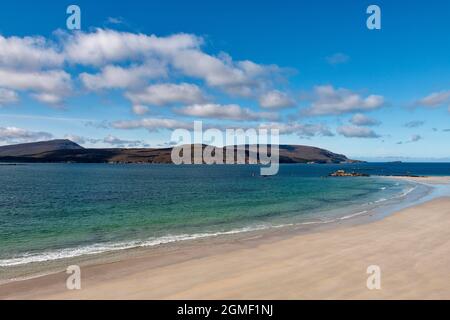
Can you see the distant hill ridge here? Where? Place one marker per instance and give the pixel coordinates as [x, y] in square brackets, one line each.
[34, 148]
[64, 150]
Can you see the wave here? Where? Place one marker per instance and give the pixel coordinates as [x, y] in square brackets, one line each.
[108, 247]
[404, 194]
[395, 196]
[353, 215]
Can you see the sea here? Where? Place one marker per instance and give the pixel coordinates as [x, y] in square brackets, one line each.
[55, 211]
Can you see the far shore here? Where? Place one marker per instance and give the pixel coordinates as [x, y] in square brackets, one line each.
[411, 247]
[424, 179]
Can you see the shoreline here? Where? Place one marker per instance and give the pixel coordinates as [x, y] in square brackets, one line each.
[117, 251]
[148, 260]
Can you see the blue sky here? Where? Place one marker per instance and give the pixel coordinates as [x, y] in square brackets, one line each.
[137, 70]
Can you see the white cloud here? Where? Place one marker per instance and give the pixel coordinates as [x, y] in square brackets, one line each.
[19, 135]
[360, 119]
[28, 53]
[213, 70]
[229, 112]
[113, 77]
[327, 100]
[112, 140]
[302, 130]
[357, 132]
[32, 64]
[48, 81]
[152, 124]
[275, 100]
[239, 78]
[49, 98]
[181, 51]
[140, 109]
[128, 61]
[435, 99]
[105, 46]
[8, 96]
[166, 94]
[47, 86]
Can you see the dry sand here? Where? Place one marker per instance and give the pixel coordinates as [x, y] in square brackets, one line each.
[425, 179]
[412, 248]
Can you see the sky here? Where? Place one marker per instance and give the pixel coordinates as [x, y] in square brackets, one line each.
[138, 70]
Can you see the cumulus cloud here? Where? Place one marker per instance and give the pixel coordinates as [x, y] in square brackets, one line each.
[213, 70]
[28, 53]
[228, 112]
[128, 61]
[276, 100]
[327, 100]
[116, 77]
[337, 58]
[182, 52]
[166, 94]
[302, 130]
[19, 135]
[239, 78]
[33, 64]
[47, 81]
[435, 99]
[357, 132]
[104, 46]
[360, 119]
[8, 96]
[48, 86]
[414, 124]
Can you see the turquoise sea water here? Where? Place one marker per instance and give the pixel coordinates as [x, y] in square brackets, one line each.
[52, 211]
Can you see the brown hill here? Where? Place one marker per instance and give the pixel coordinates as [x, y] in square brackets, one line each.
[35, 148]
[68, 151]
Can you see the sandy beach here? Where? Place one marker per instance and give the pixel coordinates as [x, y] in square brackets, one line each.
[411, 247]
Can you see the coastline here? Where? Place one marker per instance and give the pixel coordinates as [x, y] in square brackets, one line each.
[33, 266]
[282, 254]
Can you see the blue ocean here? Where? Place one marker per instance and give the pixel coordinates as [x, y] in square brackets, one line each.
[54, 211]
